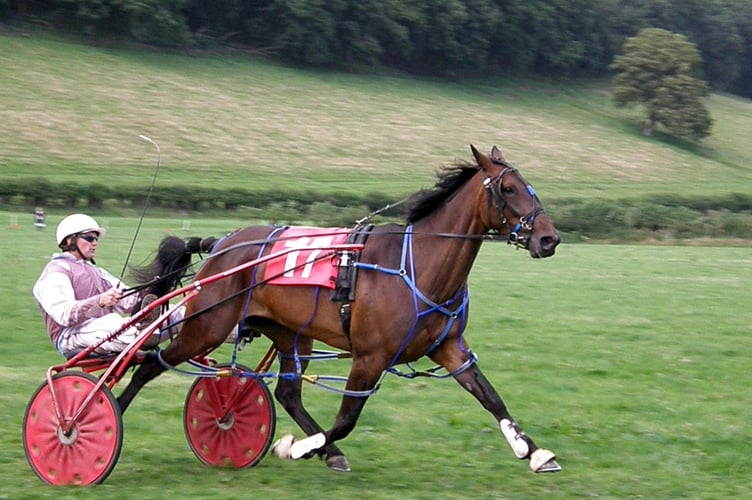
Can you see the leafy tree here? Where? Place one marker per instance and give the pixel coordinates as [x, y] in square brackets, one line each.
[742, 10]
[554, 38]
[661, 71]
[308, 29]
[372, 30]
[711, 24]
[159, 22]
[453, 35]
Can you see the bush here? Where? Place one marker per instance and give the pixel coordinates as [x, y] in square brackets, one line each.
[732, 225]
[589, 217]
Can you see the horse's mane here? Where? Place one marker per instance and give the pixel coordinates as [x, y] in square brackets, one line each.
[449, 180]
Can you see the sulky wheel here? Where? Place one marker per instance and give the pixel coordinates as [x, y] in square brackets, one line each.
[229, 421]
[89, 450]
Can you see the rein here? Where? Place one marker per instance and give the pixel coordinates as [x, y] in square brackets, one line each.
[454, 308]
[156, 279]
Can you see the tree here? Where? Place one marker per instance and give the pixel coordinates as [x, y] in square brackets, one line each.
[661, 71]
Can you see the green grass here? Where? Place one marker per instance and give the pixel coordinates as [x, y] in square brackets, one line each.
[629, 362]
[74, 114]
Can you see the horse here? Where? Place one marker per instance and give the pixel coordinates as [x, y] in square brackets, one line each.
[409, 301]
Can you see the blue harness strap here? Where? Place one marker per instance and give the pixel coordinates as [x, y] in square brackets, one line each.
[462, 297]
[247, 304]
[454, 308]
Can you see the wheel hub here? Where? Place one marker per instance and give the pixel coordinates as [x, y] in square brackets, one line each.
[69, 438]
[227, 422]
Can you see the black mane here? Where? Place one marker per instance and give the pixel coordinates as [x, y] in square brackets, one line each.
[449, 180]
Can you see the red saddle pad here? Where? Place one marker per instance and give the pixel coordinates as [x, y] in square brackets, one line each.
[306, 265]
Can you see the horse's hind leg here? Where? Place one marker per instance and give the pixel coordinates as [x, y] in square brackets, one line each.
[177, 352]
[541, 460]
[289, 395]
[149, 369]
[360, 383]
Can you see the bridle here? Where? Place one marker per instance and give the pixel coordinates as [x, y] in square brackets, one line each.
[493, 185]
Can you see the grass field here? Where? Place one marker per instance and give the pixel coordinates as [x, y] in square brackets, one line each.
[629, 362]
[74, 114]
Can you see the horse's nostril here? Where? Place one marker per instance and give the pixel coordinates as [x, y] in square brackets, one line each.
[549, 243]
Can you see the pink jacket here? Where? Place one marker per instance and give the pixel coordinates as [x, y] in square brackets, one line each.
[67, 293]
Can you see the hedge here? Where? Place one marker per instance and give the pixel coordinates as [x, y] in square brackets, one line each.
[663, 216]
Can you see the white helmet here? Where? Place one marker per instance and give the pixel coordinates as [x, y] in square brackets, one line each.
[77, 223]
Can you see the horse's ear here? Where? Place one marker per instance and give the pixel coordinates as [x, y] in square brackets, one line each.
[496, 154]
[482, 159]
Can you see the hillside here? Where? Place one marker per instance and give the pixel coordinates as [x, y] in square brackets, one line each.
[73, 113]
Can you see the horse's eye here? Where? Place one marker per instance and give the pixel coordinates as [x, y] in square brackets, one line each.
[507, 190]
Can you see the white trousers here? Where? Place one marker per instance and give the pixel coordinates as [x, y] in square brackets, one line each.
[92, 332]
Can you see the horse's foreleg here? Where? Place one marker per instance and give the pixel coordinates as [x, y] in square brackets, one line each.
[522, 445]
[289, 395]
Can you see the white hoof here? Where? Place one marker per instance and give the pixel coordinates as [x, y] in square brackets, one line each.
[544, 461]
[281, 448]
[305, 446]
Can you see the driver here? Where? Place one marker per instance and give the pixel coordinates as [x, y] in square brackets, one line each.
[81, 303]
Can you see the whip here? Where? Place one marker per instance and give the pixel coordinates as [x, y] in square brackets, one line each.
[146, 204]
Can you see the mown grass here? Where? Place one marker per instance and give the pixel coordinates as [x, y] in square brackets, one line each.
[630, 362]
[74, 114]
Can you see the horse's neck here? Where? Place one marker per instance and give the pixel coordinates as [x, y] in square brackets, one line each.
[445, 246]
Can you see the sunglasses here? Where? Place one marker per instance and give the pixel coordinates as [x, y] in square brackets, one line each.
[90, 237]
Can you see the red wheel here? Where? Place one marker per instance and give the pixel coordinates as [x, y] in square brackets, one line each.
[89, 451]
[229, 421]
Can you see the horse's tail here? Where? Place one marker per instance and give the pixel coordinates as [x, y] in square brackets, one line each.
[170, 265]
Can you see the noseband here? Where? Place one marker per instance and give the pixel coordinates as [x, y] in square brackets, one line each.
[515, 235]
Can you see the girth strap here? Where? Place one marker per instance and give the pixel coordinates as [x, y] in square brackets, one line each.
[347, 273]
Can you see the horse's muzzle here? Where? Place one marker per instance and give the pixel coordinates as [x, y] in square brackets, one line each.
[546, 246]
[543, 240]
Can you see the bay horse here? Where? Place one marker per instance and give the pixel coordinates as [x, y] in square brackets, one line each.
[409, 301]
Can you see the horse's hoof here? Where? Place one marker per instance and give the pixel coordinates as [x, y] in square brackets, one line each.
[338, 463]
[544, 461]
[281, 448]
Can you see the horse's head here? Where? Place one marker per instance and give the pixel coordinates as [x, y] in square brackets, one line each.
[518, 215]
